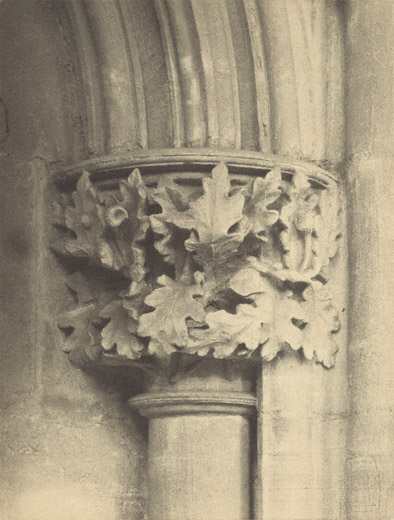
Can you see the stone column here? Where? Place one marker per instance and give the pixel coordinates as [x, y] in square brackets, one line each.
[200, 443]
[198, 277]
[370, 189]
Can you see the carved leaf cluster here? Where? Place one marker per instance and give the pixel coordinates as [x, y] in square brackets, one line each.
[261, 194]
[322, 321]
[120, 332]
[264, 326]
[216, 269]
[86, 219]
[173, 303]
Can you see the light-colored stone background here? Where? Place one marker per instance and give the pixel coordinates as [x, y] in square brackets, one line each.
[70, 448]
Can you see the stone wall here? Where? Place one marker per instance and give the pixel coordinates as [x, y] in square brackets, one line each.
[102, 79]
[69, 446]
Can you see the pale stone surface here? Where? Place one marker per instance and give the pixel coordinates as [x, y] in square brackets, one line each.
[66, 441]
[200, 455]
[80, 80]
[370, 189]
[199, 467]
[201, 264]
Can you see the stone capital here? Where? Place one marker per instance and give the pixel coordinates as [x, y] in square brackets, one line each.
[210, 259]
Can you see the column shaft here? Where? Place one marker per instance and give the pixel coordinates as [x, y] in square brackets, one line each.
[199, 467]
[200, 444]
[370, 188]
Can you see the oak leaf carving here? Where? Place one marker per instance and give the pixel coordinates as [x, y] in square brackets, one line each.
[79, 285]
[216, 211]
[227, 331]
[86, 219]
[268, 322]
[128, 225]
[82, 324]
[173, 303]
[327, 232]
[214, 214]
[321, 322]
[283, 312]
[248, 282]
[258, 217]
[120, 332]
[173, 224]
[298, 218]
[79, 323]
[254, 243]
[283, 331]
[174, 207]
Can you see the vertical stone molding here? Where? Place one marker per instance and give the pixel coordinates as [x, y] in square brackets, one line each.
[254, 75]
[370, 188]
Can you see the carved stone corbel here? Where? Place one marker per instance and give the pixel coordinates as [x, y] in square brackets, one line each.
[201, 265]
[194, 277]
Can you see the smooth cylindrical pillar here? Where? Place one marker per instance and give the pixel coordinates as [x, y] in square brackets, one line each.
[370, 189]
[199, 450]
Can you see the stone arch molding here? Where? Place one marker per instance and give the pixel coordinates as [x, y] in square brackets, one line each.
[233, 75]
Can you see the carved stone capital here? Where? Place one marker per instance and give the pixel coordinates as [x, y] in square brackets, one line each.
[205, 264]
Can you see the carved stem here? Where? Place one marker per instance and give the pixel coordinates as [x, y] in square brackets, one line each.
[307, 251]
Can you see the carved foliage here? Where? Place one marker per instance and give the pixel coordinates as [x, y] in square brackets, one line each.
[218, 269]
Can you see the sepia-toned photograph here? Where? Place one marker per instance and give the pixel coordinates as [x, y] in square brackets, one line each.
[197, 259]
